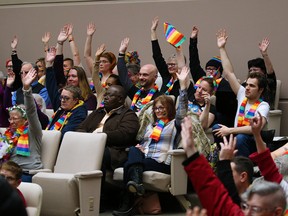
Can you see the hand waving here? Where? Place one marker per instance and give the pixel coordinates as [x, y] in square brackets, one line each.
[29, 78]
[221, 38]
[194, 33]
[124, 45]
[155, 22]
[91, 28]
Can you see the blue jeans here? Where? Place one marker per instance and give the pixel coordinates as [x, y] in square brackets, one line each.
[245, 143]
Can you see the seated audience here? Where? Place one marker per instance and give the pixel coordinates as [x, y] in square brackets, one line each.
[212, 193]
[226, 103]
[12, 172]
[249, 103]
[75, 76]
[21, 142]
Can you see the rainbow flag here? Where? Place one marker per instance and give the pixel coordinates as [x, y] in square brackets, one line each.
[172, 35]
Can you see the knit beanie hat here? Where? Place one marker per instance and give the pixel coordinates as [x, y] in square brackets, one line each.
[215, 61]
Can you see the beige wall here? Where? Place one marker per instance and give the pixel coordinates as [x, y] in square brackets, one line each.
[247, 22]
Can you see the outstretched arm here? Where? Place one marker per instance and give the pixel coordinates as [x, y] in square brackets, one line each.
[73, 46]
[228, 70]
[194, 62]
[17, 63]
[263, 47]
[154, 26]
[45, 40]
[91, 28]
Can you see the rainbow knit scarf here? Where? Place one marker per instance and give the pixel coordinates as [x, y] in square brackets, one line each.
[19, 138]
[145, 100]
[170, 85]
[243, 120]
[157, 130]
[60, 122]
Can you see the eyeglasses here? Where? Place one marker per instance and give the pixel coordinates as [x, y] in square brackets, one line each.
[255, 209]
[8, 178]
[9, 66]
[64, 98]
[14, 119]
[211, 69]
[158, 109]
[21, 72]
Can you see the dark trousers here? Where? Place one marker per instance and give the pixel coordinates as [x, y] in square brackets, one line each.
[137, 157]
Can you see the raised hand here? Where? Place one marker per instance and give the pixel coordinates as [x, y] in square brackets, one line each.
[124, 45]
[263, 46]
[187, 137]
[221, 38]
[63, 35]
[184, 78]
[91, 28]
[100, 50]
[256, 124]
[207, 97]
[29, 78]
[155, 22]
[14, 43]
[46, 37]
[194, 33]
[69, 28]
[10, 79]
[227, 151]
[50, 54]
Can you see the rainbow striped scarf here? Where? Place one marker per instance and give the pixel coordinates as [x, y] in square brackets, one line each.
[18, 139]
[145, 100]
[157, 130]
[60, 122]
[243, 120]
[170, 85]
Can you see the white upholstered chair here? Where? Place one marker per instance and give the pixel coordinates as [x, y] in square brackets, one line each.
[33, 195]
[76, 181]
[274, 118]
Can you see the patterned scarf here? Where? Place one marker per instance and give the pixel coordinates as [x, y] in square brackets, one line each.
[18, 139]
[145, 100]
[243, 120]
[60, 122]
[157, 130]
[170, 85]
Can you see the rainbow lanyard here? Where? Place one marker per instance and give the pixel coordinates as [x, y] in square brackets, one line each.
[60, 122]
[157, 130]
[170, 85]
[19, 139]
[243, 120]
[145, 100]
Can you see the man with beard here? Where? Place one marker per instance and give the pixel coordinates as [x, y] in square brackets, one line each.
[250, 103]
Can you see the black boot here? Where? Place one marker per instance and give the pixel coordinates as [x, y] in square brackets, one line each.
[127, 207]
[135, 175]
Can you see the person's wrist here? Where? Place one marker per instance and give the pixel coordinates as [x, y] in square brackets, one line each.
[60, 42]
[121, 54]
[14, 51]
[264, 54]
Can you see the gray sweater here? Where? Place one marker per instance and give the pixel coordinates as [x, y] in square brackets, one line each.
[34, 136]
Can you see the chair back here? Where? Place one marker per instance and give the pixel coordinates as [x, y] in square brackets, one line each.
[33, 195]
[80, 152]
[277, 94]
[50, 147]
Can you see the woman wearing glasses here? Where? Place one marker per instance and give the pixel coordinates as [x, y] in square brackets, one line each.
[21, 142]
[70, 109]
